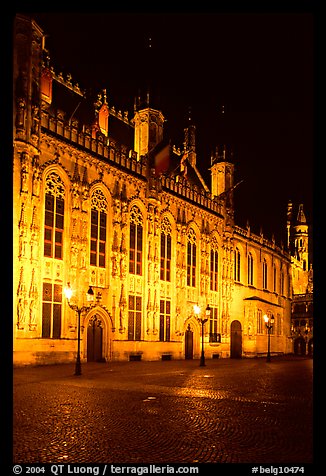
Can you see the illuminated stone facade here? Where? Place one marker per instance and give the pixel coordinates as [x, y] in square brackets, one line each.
[90, 210]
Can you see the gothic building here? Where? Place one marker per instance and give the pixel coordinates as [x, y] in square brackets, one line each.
[105, 203]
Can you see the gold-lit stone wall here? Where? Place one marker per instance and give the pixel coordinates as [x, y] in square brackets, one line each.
[87, 171]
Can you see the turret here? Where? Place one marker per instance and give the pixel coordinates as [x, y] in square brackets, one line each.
[222, 171]
[148, 130]
[300, 238]
[27, 78]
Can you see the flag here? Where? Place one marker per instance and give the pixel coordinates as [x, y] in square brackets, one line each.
[162, 160]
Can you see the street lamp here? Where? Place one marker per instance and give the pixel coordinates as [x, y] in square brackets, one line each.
[79, 309]
[269, 321]
[202, 320]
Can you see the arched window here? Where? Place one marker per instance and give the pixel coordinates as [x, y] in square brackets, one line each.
[264, 274]
[135, 241]
[191, 258]
[274, 278]
[214, 266]
[54, 216]
[98, 228]
[237, 263]
[250, 270]
[165, 268]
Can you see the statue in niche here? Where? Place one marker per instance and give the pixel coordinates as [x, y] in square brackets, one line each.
[36, 182]
[75, 196]
[21, 311]
[114, 265]
[32, 314]
[34, 246]
[24, 178]
[74, 256]
[83, 257]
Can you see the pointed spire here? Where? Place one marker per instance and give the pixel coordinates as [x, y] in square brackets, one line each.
[301, 218]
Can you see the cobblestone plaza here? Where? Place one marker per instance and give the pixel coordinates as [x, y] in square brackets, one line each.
[230, 411]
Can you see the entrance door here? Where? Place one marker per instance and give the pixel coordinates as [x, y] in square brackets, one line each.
[189, 343]
[236, 340]
[300, 346]
[94, 340]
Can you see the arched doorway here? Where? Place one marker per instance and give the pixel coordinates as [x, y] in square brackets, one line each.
[95, 339]
[189, 343]
[300, 346]
[236, 340]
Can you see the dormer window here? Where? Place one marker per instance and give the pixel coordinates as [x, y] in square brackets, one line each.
[103, 119]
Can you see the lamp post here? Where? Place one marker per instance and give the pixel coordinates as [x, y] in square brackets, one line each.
[269, 321]
[79, 309]
[202, 320]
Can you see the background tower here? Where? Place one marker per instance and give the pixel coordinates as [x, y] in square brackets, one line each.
[301, 239]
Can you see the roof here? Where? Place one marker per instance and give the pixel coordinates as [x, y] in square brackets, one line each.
[81, 109]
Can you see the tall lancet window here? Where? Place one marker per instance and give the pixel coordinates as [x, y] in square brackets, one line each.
[136, 241]
[191, 258]
[54, 216]
[265, 274]
[250, 270]
[165, 267]
[98, 228]
[214, 266]
[237, 263]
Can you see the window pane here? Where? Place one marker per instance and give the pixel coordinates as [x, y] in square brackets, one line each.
[48, 219]
[168, 245]
[58, 236]
[93, 258]
[101, 261]
[47, 292]
[103, 219]
[56, 321]
[48, 249]
[102, 234]
[46, 320]
[49, 202]
[138, 326]
[59, 206]
[57, 294]
[58, 251]
[161, 335]
[131, 325]
[59, 222]
[162, 245]
[94, 217]
[94, 231]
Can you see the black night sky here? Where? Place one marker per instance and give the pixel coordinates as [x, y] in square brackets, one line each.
[258, 65]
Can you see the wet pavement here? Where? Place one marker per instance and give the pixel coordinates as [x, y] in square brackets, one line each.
[230, 411]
